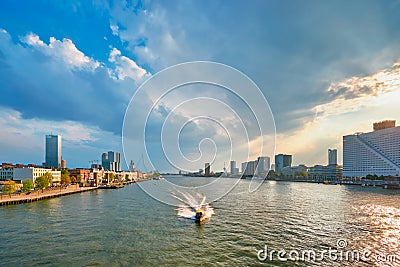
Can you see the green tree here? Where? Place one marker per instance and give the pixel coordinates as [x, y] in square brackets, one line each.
[43, 181]
[9, 187]
[79, 178]
[155, 174]
[65, 178]
[27, 185]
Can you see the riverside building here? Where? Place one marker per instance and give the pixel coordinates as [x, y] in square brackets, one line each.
[376, 152]
[281, 161]
[32, 173]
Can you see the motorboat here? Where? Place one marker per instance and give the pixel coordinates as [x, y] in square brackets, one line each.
[199, 217]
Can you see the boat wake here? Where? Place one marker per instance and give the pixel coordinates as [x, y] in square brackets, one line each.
[189, 204]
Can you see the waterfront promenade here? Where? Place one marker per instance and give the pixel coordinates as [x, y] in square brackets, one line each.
[13, 199]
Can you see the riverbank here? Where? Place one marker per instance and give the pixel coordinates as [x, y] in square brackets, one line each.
[14, 199]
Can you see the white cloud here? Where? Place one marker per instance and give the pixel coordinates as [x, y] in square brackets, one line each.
[33, 39]
[357, 92]
[23, 139]
[126, 67]
[64, 50]
[356, 103]
[114, 29]
[12, 122]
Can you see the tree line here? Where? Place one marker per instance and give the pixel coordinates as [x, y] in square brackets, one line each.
[41, 182]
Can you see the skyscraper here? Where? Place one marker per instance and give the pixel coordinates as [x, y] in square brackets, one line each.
[53, 151]
[376, 152]
[233, 166]
[111, 161]
[263, 164]
[282, 161]
[332, 156]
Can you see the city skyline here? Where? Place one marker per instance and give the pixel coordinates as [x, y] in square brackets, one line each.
[71, 68]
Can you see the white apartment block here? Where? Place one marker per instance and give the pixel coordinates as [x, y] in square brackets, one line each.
[376, 152]
[33, 173]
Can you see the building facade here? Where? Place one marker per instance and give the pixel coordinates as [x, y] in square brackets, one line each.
[263, 165]
[332, 156]
[53, 151]
[281, 161]
[233, 167]
[375, 153]
[33, 173]
[250, 168]
[331, 172]
[6, 173]
[80, 175]
[111, 161]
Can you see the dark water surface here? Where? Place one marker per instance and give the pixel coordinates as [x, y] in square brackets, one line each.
[126, 227]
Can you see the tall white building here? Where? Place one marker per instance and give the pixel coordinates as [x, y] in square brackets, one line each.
[376, 152]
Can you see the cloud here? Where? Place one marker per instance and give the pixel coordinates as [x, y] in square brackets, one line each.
[291, 52]
[114, 29]
[352, 106]
[357, 92]
[57, 81]
[23, 139]
[64, 50]
[126, 67]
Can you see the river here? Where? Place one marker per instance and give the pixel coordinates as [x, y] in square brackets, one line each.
[126, 227]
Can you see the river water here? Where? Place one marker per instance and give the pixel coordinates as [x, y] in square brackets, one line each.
[126, 227]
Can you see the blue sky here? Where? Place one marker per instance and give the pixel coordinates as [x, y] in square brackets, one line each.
[71, 67]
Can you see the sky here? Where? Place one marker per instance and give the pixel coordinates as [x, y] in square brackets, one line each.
[326, 69]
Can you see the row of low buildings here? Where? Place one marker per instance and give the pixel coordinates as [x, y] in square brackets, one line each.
[109, 170]
[260, 166]
[283, 168]
[372, 153]
[21, 173]
[83, 176]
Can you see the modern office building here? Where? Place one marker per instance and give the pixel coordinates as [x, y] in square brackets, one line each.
[376, 152]
[250, 168]
[53, 151]
[295, 172]
[331, 172]
[111, 161]
[263, 165]
[332, 156]
[281, 161]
